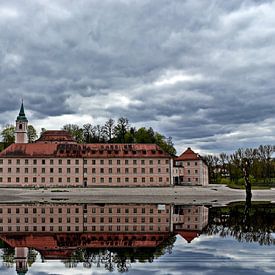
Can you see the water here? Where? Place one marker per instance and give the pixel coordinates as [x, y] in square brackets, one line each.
[60, 238]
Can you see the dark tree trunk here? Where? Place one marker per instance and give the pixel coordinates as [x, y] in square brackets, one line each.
[246, 180]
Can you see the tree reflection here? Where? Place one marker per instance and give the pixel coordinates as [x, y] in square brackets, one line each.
[244, 221]
[119, 259]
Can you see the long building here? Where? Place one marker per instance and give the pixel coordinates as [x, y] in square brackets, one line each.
[56, 159]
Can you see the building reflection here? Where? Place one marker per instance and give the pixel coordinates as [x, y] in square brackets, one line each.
[60, 231]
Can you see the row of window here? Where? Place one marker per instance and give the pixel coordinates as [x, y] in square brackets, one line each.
[94, 180]
[101, 228]
[85, 220]
[85, 161]
[76, 210]
[68, 170]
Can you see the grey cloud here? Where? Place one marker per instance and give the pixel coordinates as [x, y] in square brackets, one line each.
[52, 51]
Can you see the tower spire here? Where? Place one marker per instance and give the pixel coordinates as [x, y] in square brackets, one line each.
[22, 115]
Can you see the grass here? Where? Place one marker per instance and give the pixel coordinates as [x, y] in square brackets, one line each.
[254, 186]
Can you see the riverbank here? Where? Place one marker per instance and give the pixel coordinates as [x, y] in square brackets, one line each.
[214, 194]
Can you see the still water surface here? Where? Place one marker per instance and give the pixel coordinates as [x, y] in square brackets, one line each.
[144, 238]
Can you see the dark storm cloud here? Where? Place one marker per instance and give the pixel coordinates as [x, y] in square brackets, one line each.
[199, 71]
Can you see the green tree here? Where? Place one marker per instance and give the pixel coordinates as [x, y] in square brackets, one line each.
[121, 129]
[32, 135]
[8, 135]
[75, 131]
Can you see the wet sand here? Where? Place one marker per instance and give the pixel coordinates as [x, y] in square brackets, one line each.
[214, 194]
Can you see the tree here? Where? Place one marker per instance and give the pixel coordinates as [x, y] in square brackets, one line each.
[75, 131]
[108, 129]
[121, 129]
[8, 135]
[32, 135]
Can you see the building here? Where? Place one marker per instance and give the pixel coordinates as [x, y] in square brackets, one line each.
[56, 159]
[190, 169]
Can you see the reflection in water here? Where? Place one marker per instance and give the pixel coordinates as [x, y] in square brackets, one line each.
[113, 235]
[245, 222]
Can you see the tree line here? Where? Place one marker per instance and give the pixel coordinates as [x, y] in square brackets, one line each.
[257, 164]
[110, 132]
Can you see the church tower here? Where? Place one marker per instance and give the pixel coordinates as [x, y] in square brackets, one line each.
[21, 127]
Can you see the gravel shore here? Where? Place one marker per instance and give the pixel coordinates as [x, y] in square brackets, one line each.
[213, 194]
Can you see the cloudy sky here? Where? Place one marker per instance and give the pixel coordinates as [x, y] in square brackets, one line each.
[201, 71]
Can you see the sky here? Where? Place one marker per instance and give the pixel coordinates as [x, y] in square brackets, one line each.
[200, 71]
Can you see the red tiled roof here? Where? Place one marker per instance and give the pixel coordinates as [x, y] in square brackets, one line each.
[56, 136]
[97, 150]
[189, 154]
[189, 236]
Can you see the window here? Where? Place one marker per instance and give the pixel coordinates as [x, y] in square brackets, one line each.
[34, 170]
[9, 161]
[60, 170]
[26, 161]
[9, 179]
[101, 180]
[197, 179]
[134, 170]
[102, 161]
[196, 163]
[158, 161]
[126, 161]
[143, 170]
[188, 171]
[151, 179]
[151, 170]
[43, 161]
[110, 170]
[142, 179]
[9, 170]
[1, 170]
[102, 170]
[118, 162]
[1, 179]
[43, 170]
[160, 179]
[68, 170]
[26, 170]
[25, 179]
[76, 170]
[68, 180]
[68, 161]
[118, 180]
[126, 170]
[196, 171]
[94, 162]
[51, 170]
[126, 179]
[159, 170]
[35, 161]
[17, 170]
[17, 179]
[151, 162]
[93, 180]
[77, 161]
[51, 161]
[85, 161]
[110, 180]
[142, 161]
[189, 179]
[51, 180]
[43, 180]
[135, 162]
[135, 179]
[18, 161]
[1, 161]
[60, 161]
[77, 180]
[110, 162]
[85, 170]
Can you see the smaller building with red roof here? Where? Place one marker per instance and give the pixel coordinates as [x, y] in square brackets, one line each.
[190, 169]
